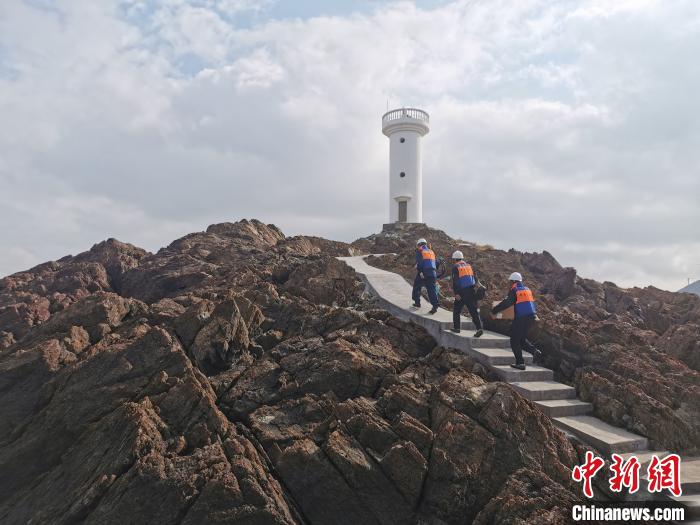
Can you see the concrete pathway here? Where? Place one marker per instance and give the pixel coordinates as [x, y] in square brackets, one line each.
[557, 400]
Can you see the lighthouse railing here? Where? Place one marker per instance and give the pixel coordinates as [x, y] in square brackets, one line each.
[396, 114]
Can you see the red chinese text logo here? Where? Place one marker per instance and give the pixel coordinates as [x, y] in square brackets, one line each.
[586, 472]
[625, 474]
[663, 474]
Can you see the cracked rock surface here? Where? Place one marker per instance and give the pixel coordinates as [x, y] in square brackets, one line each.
[633, 353]
[241, 376]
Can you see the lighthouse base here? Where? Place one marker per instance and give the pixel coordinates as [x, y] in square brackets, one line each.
[397, 226]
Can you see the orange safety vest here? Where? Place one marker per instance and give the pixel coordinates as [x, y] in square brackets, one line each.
[524, 300]
[465, 275]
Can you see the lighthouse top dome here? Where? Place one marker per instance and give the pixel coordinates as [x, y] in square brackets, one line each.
[405, 119]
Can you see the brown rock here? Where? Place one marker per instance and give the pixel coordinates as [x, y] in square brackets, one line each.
[238, 376]
[77, 339]
[106, 458]
[529, 497]
[634, 338]
[6, 339]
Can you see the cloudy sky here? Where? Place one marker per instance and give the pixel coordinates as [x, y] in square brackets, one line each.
[566, 125]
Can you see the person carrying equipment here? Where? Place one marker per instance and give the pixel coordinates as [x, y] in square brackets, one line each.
[464, 284]
[426, 276]
[521, 298]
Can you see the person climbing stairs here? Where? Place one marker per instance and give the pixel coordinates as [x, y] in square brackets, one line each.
[536, 383]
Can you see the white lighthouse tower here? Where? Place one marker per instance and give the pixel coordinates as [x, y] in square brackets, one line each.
[405, 128]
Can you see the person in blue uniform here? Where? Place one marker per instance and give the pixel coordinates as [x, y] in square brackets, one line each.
[521, 298]
[464, 281]
[426, 266]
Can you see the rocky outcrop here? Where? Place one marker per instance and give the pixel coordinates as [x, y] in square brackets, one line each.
[433, 441]
[240, 376]
[633, 353]
[120, 426]
[682, 342]
[217, 333]
[30, 298]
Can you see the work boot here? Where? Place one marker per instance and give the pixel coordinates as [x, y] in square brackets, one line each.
[435, 309]
[479, 333]
[415, 305]
[519, 366]
[455, 330]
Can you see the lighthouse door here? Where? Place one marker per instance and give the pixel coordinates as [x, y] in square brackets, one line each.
[403, 207]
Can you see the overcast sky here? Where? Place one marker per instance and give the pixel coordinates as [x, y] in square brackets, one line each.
[571, 126]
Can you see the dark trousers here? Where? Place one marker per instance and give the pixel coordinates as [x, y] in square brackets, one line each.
[466, 297]
[429, 283]
[518, 337]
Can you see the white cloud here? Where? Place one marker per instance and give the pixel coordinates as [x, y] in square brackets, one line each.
[145, 119]
[233, 7]
[609, 8]
[194, 30]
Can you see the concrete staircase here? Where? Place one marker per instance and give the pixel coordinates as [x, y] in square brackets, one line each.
[557, 400]
[690, 481]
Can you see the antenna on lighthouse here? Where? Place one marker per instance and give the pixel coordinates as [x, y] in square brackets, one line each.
[405, 128]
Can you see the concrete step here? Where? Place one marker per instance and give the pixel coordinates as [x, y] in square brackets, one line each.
[644, 456]
[490, 340]
[531, 373]
[690, 475]
[601, 435]
[467, 325]
[691, 502]
[496, 356]
[543, 390]
[442, 316]
[564, 407]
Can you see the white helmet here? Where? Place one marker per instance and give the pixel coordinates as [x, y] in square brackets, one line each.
[515, 276]
[458, 255]
[421, 241]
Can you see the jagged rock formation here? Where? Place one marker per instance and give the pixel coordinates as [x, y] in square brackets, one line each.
[30, 298]
[633, 353]
[241, 376]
